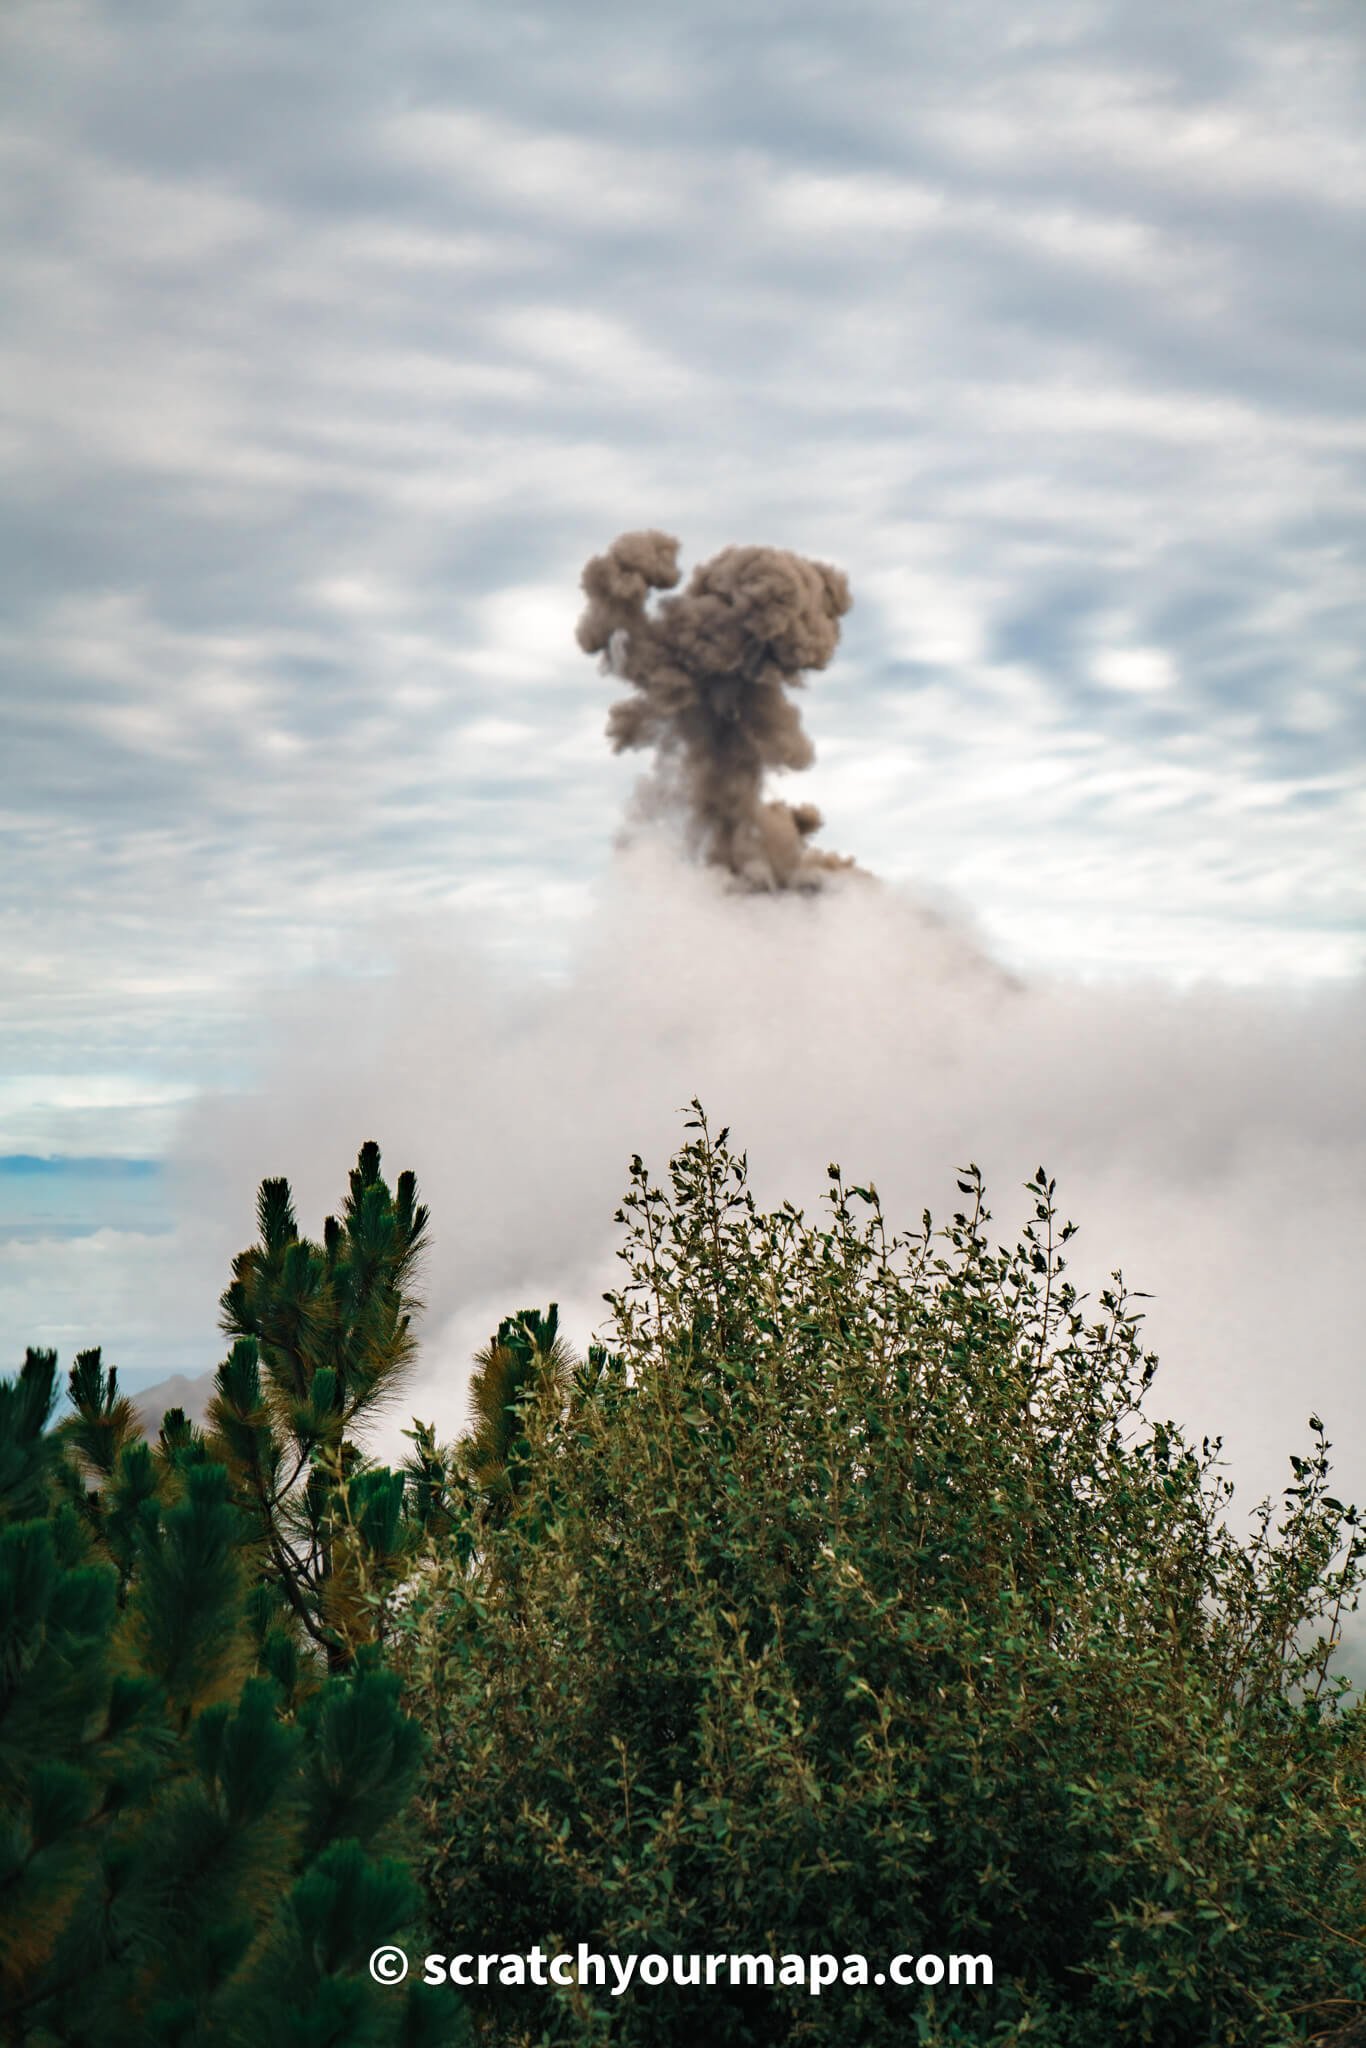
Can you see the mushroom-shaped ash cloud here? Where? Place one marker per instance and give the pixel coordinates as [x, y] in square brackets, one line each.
[712, 671]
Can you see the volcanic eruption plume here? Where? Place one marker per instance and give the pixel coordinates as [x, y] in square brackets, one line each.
[711, 671]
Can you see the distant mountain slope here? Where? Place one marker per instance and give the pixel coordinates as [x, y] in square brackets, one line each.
[179, 1391]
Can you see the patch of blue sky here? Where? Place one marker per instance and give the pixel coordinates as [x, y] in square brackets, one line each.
[54, 1197]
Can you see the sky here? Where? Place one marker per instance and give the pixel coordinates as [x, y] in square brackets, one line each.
[335, 340]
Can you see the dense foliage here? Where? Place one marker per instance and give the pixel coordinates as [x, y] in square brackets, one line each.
[848, 1603]
[201, 1832]
[852, 1604]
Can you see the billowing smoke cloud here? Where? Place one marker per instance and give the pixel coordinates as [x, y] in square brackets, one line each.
[1212, 1142]
[712, 671]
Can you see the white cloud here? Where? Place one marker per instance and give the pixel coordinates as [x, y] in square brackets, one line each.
[1210, 1143]
[1134, 668]
[1107, 120]
[578, 178]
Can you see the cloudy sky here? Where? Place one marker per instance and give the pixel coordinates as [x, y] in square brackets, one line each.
[335, 339]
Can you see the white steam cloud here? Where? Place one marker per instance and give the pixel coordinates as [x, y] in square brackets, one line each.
[1210, 1143]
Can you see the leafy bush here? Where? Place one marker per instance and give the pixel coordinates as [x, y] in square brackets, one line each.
[852, 1604]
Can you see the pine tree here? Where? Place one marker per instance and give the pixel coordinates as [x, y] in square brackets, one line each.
[526, 1362]
[322, 1336]
[198, 1846]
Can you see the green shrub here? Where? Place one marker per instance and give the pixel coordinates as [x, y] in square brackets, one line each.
[852, 1604]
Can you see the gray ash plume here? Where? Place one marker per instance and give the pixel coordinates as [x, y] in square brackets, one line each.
[712, 670]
